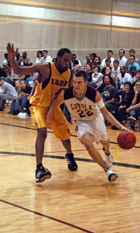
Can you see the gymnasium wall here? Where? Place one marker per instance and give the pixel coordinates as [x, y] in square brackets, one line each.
[83, 26]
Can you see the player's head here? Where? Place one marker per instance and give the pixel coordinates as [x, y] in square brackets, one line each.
[80, 79]
[63, 59]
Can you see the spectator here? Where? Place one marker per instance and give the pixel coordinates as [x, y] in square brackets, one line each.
[39, 57]
[88, 69]
[18, 56]
[109, 93]
[124, 77]
[126, 96]
[24, 60]
[132, 52]
[134, 109]
[75, 65]
[92, 58]
[107, 69]
[133, 66]
[115, 72]
[46, 58]
[5, 60]
[137, 76]
[97, 61]
[96, 77]
[20, 105]
[108, 57]
[7, 92]
[122, 58]
[75, 61]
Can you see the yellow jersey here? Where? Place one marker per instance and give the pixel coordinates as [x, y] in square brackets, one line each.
[44, 92]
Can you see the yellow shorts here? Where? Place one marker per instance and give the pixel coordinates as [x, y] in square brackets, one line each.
[59, 124]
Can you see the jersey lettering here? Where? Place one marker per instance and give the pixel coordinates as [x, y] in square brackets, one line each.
[83, 110]
[61, 83]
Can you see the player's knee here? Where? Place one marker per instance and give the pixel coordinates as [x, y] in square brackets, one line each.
[86, 140]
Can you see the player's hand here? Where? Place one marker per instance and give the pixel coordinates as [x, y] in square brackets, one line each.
[123, 128]
[11, 52]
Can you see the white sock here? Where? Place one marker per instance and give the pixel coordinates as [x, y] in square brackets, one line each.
[109, 171]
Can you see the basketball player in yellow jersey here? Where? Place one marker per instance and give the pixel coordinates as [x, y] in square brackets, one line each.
[52, 77]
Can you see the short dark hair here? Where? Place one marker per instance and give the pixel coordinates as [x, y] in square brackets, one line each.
[128, 83]
[132, 51]
[110, 51]
[116, 61]
[45, 50]
[122, 50]
[62, 51]
[83, 73]
[107, 60]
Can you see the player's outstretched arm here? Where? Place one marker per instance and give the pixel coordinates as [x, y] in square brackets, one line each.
[112, 120]
[18, 69]
[107, 115]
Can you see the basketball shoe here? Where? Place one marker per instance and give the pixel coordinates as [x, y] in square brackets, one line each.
[112, 176]
[72, 165]
[42, 174]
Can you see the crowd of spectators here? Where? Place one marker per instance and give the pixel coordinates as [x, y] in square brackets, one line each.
[117, 78]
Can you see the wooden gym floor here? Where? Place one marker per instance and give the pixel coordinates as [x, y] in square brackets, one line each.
[81, 201]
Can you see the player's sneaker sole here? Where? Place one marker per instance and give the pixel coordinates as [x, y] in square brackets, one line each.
[43, 178]
[42, 174]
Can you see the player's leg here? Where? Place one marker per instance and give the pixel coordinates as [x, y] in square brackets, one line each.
[87, 139]
[72, 165]
[61, 130]
[39, 116]
[100, 128]
[106, 149]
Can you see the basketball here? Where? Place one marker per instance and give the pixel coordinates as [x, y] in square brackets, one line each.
[126, 140]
